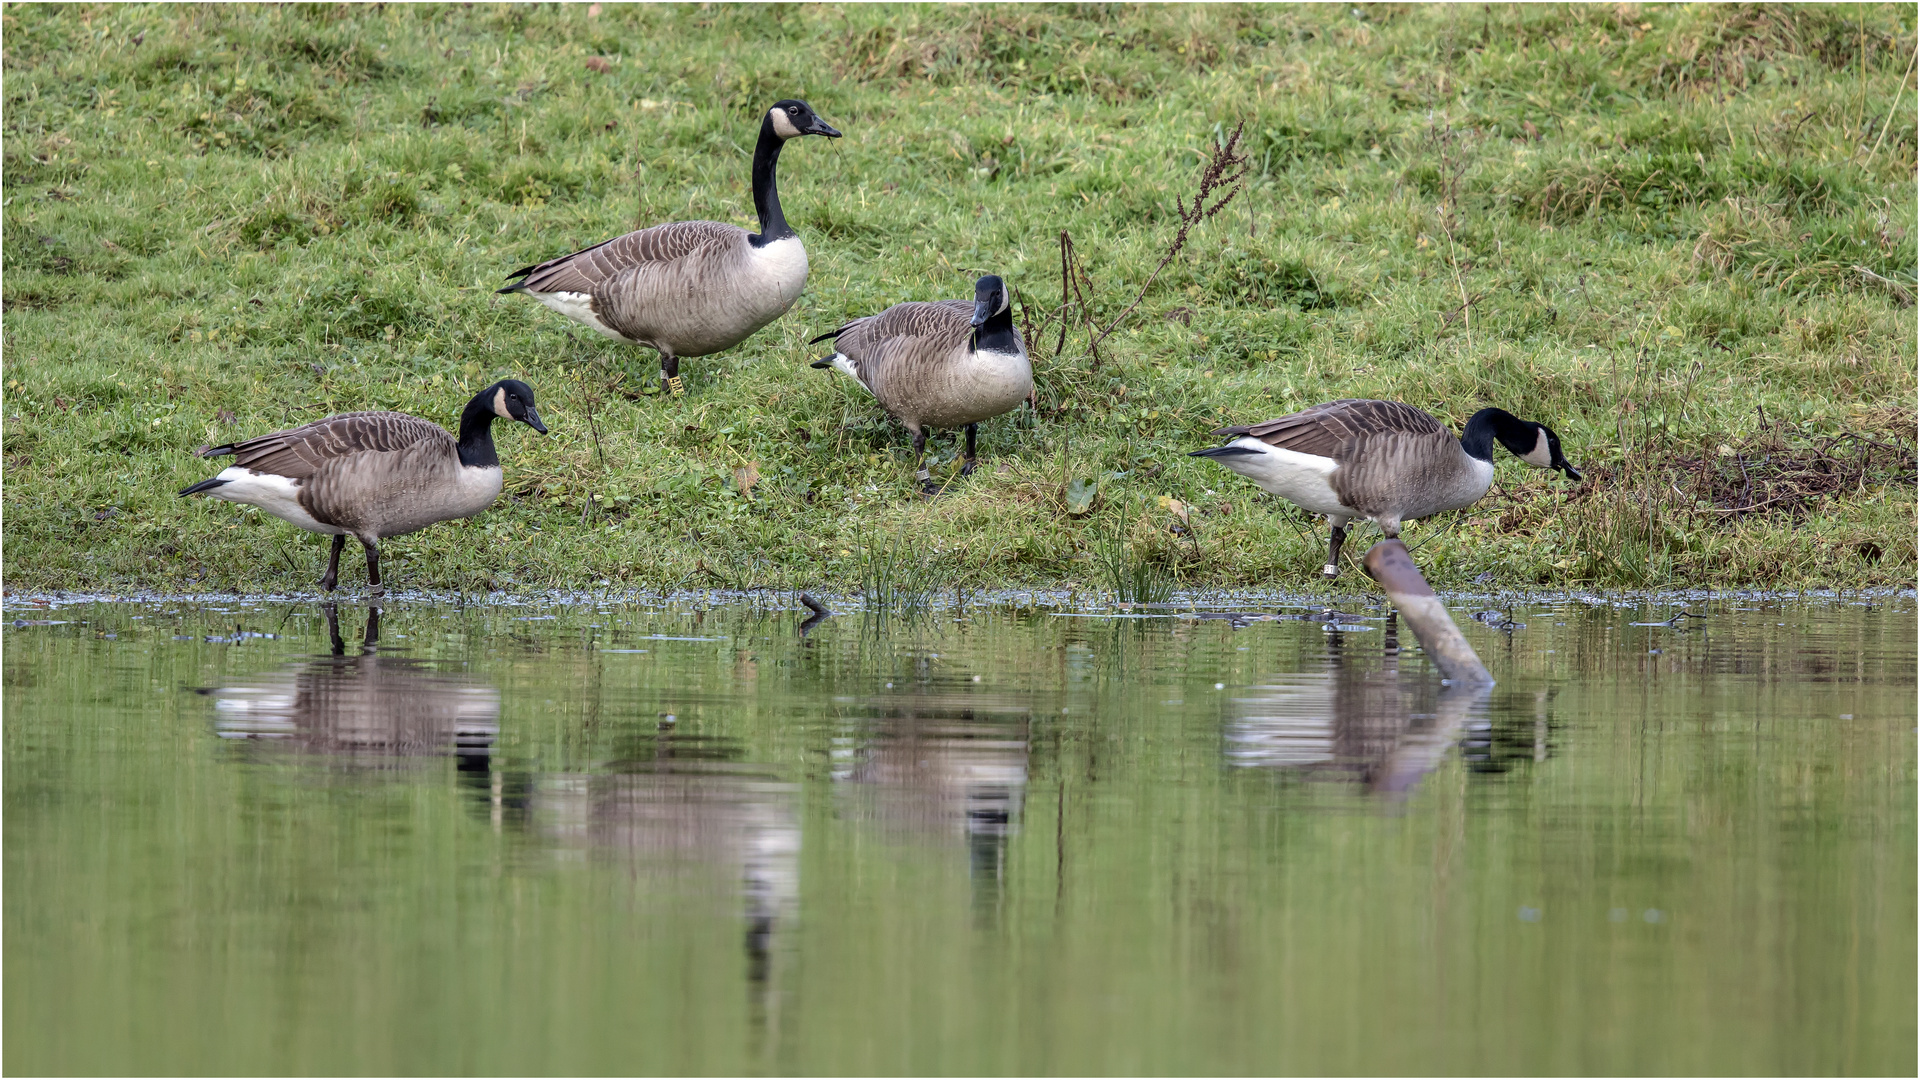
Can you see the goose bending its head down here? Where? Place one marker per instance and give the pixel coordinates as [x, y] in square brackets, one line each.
[945, 364]
[1381, 460]
[371, 475]
[689, 288]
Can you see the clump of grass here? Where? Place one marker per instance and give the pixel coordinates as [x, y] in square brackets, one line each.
[1132, 575]
[898, 577]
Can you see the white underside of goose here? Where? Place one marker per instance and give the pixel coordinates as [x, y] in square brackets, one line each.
[1299, 478]
[577, 306]
[845, 367]
[277, 495]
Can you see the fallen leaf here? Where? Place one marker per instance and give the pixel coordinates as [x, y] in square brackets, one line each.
[1080, 495]
[593, 11]
[746, 476]
[1178, 508]
[598, 65]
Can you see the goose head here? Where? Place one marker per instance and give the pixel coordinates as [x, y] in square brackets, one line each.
[511, 399]
[792, 118]
[1537, 445]
[989, 299]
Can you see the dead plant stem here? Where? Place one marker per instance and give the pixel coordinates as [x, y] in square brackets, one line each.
[1226, 170]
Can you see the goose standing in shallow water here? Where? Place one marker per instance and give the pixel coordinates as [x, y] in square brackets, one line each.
[371, 475]
[945, 363]
[689, 288]
[1380, 460]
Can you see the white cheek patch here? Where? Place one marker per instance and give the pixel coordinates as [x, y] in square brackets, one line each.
[500, 403]
[1006, 301]
[783, 124]
[1541, 456]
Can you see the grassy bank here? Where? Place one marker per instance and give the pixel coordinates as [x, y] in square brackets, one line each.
[1683, 236]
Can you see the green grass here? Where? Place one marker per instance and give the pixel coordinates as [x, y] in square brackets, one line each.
[1638, 224]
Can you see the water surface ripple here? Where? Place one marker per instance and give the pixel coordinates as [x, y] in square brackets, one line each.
[269, 837]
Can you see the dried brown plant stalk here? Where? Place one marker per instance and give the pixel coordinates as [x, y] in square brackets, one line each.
[1075, 284]
[1221, 179]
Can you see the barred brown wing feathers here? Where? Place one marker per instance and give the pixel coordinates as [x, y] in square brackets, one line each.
[904, 334]
[938, 321]
[1325, 429]
[588, 268]
[298, 453]
[1381, 471]
[360, 489]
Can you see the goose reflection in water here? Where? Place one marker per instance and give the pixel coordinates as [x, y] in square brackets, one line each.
[677, 806]
[1360, 720]
[951, 764]
[370, 710]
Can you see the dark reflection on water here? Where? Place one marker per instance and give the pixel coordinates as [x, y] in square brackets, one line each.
[694, 840]
[1361, 719]
[366, 708]
[940, 768]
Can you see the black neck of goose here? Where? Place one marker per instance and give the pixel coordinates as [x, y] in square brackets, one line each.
[996, 334]
[476, 433]
[766, 191]
[1477, 438]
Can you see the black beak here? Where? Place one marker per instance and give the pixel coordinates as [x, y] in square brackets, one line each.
[532, 420]
[817, 126]
[823, 362]
[1567, 468]
[982, 311]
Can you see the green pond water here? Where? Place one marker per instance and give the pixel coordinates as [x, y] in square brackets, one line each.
[688, 839]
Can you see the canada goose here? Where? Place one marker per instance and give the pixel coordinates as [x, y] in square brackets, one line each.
[370, 475]
[946, 363]
[1380, 460]
[689, 288]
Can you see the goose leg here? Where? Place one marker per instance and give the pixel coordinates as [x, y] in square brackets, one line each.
[967, 469]
[333, 628]
[927, 486]
[373, 564]
[670, 380]
[1332, 569]
[332, 576]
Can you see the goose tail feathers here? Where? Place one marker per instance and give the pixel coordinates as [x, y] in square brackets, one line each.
[204, 485]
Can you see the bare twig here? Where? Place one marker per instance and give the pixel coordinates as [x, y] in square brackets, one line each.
[1075, 285]
[1221, 180]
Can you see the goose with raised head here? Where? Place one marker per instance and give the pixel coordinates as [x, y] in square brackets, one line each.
[689, 288]
[1381, 460]
[371, 475]
[942, 364]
